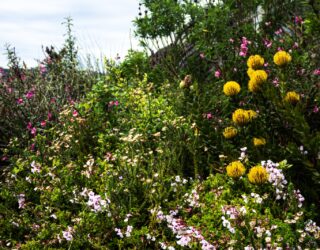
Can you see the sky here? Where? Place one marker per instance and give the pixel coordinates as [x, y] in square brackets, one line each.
[101, 27]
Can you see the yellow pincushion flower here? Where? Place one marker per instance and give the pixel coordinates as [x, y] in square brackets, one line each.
[259, 141]
[240, 117]
[252, 114]
[255, 62]
[292, 97]
[230, 132]
[253, 85]
[260, 76]
[235, 169]
[250, 72]
[258, 175]
[257, 78]
[282, 58]
[231, 88]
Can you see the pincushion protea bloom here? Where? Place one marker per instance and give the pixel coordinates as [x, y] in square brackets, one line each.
[230, 132]
[258, 175]
[231, 88]
[235, 169]
[259, 141]
[255, 62]
[292, 97]
[282, 58]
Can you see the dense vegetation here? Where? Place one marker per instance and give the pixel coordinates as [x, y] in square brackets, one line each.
[209, 139]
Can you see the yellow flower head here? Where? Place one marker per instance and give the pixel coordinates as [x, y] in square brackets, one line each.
[240, 117]
[282, 58]
[231, 88]
[259, 141]
[235, 169]
[252, 114]
[258, 175]
[255, 62]
[257, 78]
[253, 85]
[230, 132]
[250, 72]
[260, 76]
[292, 97]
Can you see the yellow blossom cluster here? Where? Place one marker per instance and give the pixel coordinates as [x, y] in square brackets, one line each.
[258, 175]
[255, 62]
[242, 116]
[235, 169]
[231, 88]
[259, 141]
[230, 132]
[282, 58]
[292, 97]
[257, 76]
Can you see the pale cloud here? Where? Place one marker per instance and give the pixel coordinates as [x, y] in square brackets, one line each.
[102, 27]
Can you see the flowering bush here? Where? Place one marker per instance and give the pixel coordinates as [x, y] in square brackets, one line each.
[149, 158]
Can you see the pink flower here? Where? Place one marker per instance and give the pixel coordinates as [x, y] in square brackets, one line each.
[231, 40]
[267, 43]
[116, 103]
[75, 113]
[34, 131]
[29, 126]
[298, 20]
[279, 49]
[217, 73]
[30, 94]
[275, 82]
[315, 109]
[202, 55]
[278, 32]
[43, 123]
[9, 90]
[53, 100]
[49, 116]
[20, 101]
[295, 45]
[316, 72]
[42, 68]
[208, 116]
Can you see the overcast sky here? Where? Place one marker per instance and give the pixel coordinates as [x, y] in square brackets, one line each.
[102, 27]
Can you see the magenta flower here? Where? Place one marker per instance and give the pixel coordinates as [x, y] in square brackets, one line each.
[30, 94]
[34, 131]
[49, 116]
[316, 72]
[20, 101]
[315, 109]
[42, 68]
[43, 123]
[75, 113]
[29, 126]
[217, 73]
[298, 20]
[267, 43]
[278, 32]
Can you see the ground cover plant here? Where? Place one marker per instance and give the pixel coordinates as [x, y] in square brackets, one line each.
[210, 143]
